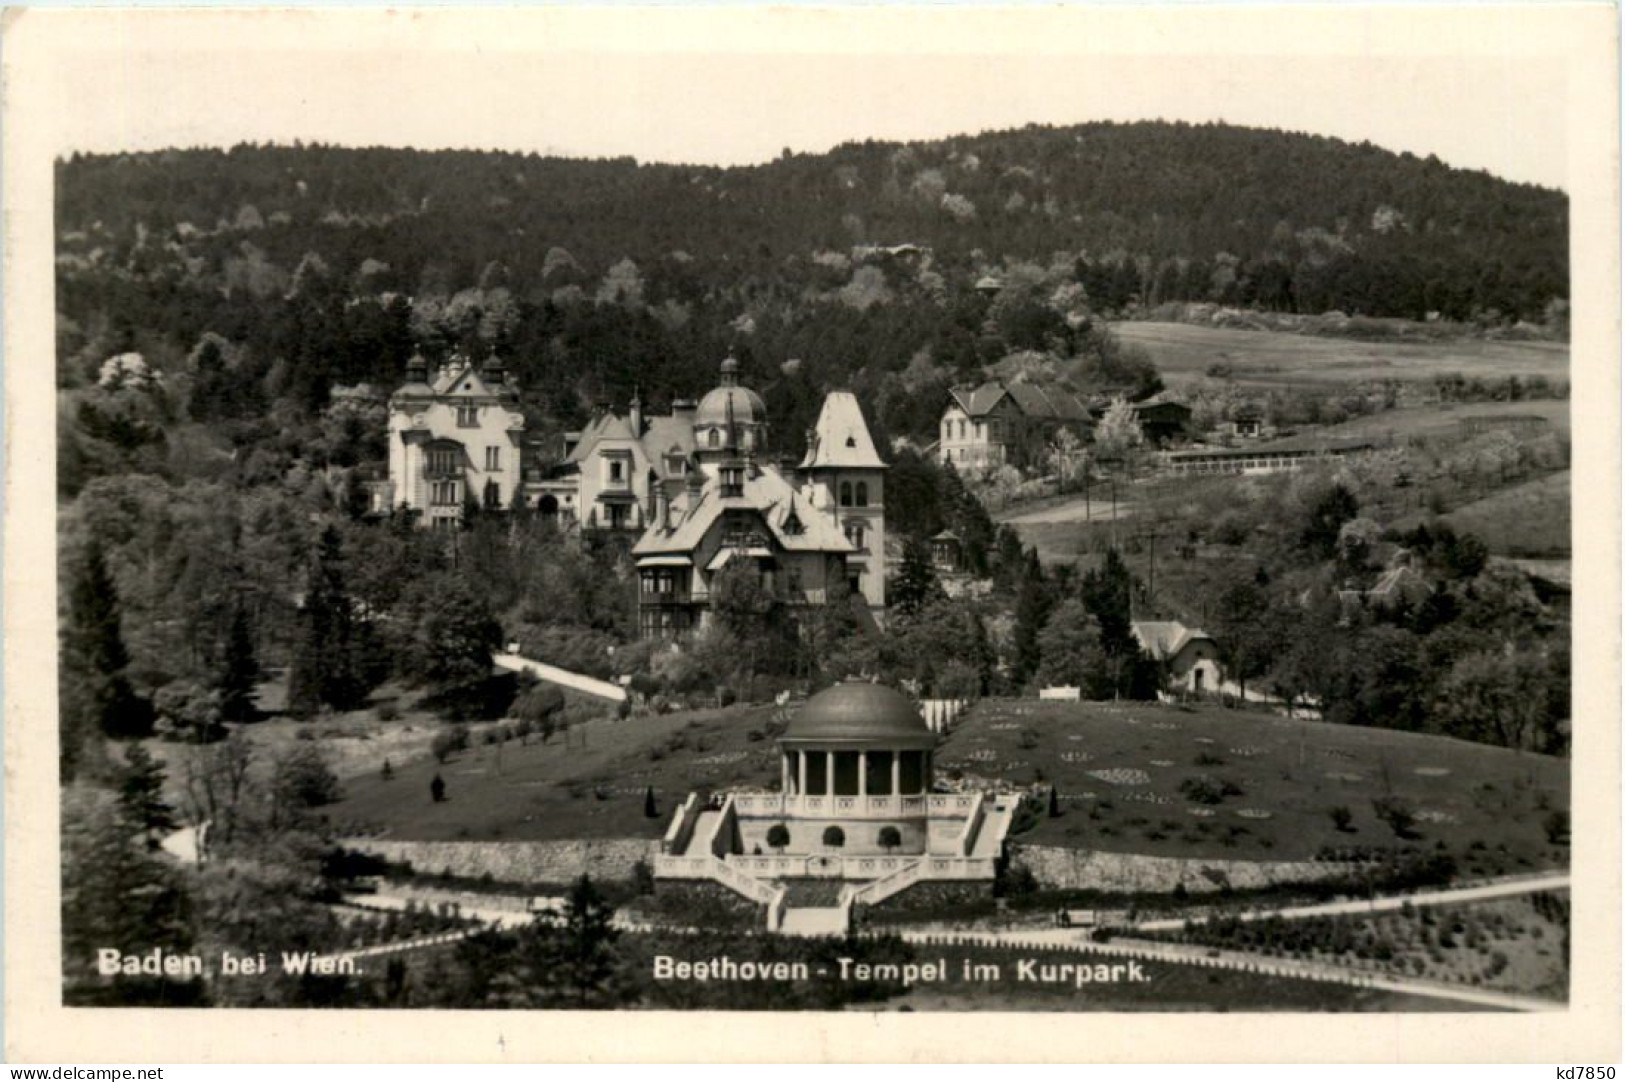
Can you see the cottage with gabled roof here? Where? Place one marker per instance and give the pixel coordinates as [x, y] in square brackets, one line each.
[1008, 423]
[1189, 654]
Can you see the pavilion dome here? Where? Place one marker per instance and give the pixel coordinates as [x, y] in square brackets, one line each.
[859, 713]
[748, 407]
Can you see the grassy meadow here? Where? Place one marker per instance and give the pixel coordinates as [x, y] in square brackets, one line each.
[1267, 359]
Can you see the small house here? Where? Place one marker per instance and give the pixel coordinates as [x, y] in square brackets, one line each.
[1189, 654]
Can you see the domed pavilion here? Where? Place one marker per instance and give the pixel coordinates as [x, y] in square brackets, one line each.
[857, 802]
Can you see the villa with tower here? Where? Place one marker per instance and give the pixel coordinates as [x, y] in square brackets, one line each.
[813, 533]
[692, 492]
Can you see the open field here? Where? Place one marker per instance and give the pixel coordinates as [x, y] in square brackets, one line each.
[1120, 768]
[1438, 419]
[1533, 519]
[1266, 359]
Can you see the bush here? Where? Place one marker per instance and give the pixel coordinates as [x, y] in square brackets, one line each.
[448, 742]
[1396, 814]
[1342, 818]
[304, 780]
[889, 838]
[778, 836]
[834, 837]
[1556, 826]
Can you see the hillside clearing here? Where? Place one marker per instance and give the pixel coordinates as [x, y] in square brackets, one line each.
[1265, 359]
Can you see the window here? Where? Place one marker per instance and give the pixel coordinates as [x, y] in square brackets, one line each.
[947, 430]
[733, 481]
[854, 582]
[713, 438]
[854, 534]
[792, 579]
[961, 429]
[979, 430]
[443, 461]
[863, 494]
[444, 493]
[617, 470]
[493, 459]
[468, 416]
[493, 496]
[846, 493]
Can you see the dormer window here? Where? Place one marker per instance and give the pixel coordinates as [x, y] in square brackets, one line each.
[733, 481]
[713, 438]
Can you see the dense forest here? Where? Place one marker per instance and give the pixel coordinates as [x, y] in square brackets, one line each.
[322, 264]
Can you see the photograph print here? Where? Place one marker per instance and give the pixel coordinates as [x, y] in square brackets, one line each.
[882, 532]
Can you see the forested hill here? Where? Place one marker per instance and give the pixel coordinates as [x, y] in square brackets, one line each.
[612, 272]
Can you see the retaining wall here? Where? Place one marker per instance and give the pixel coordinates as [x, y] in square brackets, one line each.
[1082, 869]
[516, 862]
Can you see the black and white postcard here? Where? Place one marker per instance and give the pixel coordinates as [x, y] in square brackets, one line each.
[975, 529]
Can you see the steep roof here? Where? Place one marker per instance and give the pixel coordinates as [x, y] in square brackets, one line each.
[1163, 639]
[1049, 402]
[841, 438]
[766, 491]
[979, 400]
[660, 438]
[1039, 401]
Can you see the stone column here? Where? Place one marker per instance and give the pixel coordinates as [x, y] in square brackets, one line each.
[829, 774]
[784, 773]
[863, 774]
[801, 785]
[897, 776]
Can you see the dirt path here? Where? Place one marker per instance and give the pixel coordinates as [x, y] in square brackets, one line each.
[1078, 510]
[1507, 889]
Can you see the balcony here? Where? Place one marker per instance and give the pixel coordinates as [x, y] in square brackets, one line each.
[441, 471]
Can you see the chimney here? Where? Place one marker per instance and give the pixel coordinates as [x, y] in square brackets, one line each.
[683, 409]
[662, 506]
[637, 414]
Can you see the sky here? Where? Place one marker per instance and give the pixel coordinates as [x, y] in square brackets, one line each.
[738, 86]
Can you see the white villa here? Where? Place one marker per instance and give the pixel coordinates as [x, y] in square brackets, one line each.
[855, 806]
[452, 441]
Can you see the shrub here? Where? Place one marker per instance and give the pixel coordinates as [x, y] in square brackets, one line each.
[778, 836]
[889, 838]
[1396, 814]
[1342, 818]
[304, 780]
[1556, 826]
[388, 710]
[834, 837]
[448, 742]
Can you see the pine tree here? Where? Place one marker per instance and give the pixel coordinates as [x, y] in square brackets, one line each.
[239, 669]
[141, 795]
[329, 663]
[650, 811]
[95, 659]
[916, 580]
[586, 951]
[1033, 604]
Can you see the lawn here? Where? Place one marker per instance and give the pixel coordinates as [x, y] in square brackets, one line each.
[1264, 359]
[1120, 769]
[588, 784]
[1532, 519]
